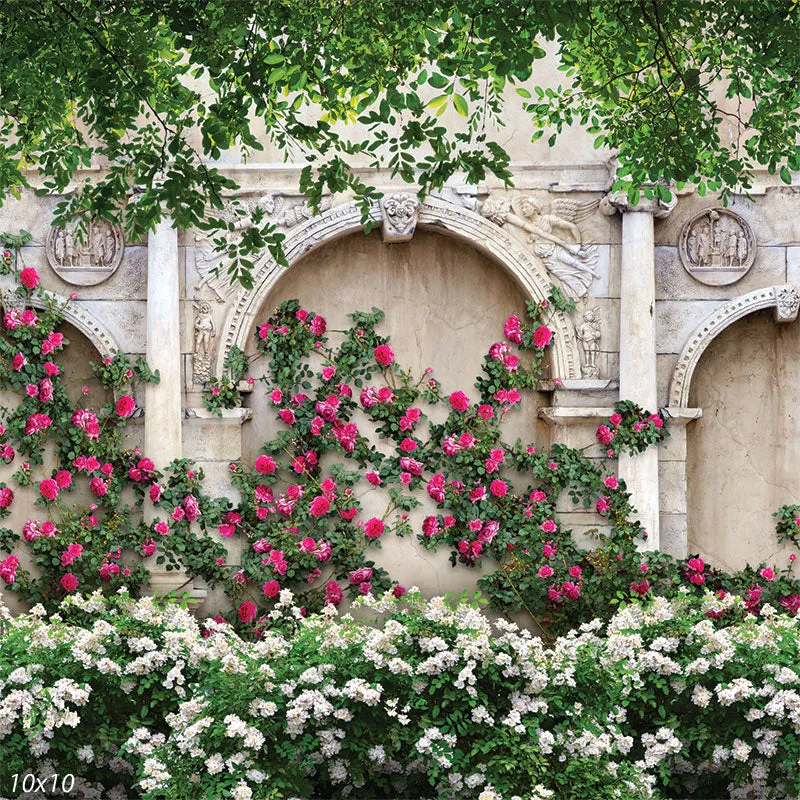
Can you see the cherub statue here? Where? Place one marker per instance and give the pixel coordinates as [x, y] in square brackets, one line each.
[555, 237]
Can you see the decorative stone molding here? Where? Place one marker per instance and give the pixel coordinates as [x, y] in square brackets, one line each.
[717, 247]
[434, 215]
[90, 262]
[400, 213]
[784, 299]
[618, 202]
[553, 236]
[285, 211]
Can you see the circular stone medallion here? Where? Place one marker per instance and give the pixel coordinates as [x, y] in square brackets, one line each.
[90, 261]
[717, 247]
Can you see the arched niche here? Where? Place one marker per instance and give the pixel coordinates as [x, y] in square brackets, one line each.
[74, 362]
[743, 455]
[449, 220]
[445, 304]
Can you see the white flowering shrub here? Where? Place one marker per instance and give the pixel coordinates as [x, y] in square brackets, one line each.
[677, 698]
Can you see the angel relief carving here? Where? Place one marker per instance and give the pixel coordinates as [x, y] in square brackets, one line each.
[283, 211]
[554, 235]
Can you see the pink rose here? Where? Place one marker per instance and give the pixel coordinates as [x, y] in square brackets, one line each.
[6, 497]
[69, 583]
[247, 611]
[125, 406]
[602, 505]
[63, 479]
[611, 482]
[333, 593]
[548, 526]
[287, 416]
[148, 547]
[319, 506]
[265, 465]
[768, 574]
[459, 401]
[29, 278]
[545, 571]
[498, 488]
[373, 528]
[48, 489]
[271, 589]
[398, 590]
[384, 355]
[542, 336]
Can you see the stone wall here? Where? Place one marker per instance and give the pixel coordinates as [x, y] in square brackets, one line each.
[697, 338]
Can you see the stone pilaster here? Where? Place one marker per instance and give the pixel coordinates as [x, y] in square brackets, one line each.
[637, 344]
[163, 415]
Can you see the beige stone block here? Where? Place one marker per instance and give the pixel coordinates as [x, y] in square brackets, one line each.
[673, 534]
[673, 282]
[672, 487]
[665, 367]
[212, 439]
[218, 480]
[677, 320]
[129, 282]
[793, 265]
[673, 448]
[31, 212]
[124, 319]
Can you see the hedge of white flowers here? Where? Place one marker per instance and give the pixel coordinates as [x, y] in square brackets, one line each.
[412, 699]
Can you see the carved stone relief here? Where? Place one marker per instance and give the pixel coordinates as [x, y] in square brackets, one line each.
[204, 334]
[284, 211]
[717, 247]
[87, 262]
[589, 334]
[400, 212]
[553, 235]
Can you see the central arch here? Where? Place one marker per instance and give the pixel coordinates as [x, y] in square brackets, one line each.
[434, 215]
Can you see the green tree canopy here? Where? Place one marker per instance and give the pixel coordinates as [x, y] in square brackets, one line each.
[154, 91]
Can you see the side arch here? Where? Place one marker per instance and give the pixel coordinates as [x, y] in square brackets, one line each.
[83, 320]
[784, 298]
[434, 215]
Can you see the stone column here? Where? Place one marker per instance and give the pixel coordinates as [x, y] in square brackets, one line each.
[637, 345]
[162, 413]
[162, 422]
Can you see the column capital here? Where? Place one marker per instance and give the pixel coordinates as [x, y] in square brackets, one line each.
[615, 202]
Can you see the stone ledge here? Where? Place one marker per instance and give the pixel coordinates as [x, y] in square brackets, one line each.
[228, 414]
[575, 415]
[678, 415]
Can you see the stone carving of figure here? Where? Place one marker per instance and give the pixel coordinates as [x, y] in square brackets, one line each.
[691, 247]
[204, 332]
[741, 247]
[110, 247]
[555, 237]
[98, 247]
[69, 239]
[704, 246]
[730, 248]
[60, 247]
[589, 333]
